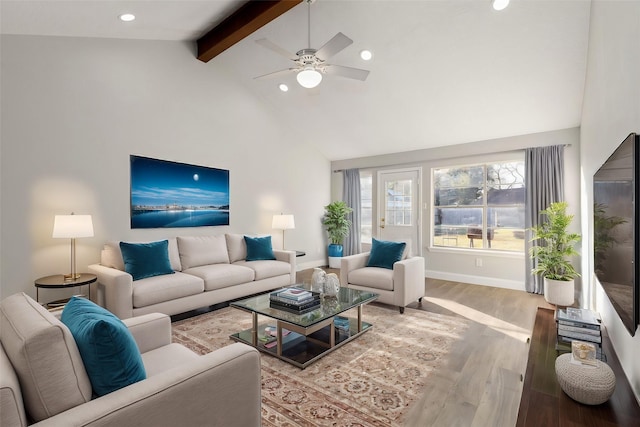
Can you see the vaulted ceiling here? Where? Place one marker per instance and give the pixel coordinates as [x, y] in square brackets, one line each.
[443, 72]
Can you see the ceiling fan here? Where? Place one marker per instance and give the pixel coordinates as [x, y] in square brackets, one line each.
[310, 63]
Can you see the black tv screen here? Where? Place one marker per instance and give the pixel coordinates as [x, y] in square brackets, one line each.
[615, 223]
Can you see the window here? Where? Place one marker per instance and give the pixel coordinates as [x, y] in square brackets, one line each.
[398, 202]
[479, 206]
[366, 206]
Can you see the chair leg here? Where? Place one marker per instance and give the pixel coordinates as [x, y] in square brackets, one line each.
[420, 299]
[401, 310]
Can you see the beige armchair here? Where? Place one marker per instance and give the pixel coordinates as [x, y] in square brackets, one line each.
[43, 379]
[400, 286]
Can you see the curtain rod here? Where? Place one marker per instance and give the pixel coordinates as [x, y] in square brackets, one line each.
[442, 158]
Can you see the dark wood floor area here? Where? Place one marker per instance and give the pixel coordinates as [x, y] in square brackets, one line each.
[543, 402]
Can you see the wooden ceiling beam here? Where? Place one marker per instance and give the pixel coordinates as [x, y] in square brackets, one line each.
[250, 17]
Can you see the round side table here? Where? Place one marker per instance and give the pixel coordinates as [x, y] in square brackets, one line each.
[58, 282]
[591, 385]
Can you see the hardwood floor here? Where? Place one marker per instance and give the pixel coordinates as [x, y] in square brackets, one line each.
[481, 382]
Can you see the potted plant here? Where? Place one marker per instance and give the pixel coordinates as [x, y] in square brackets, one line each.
[338, 225]
[553, 254]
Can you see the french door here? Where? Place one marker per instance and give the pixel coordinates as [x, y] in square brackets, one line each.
[399, 207]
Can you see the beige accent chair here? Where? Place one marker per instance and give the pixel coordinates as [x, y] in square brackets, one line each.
[43, 379]
[400, 286]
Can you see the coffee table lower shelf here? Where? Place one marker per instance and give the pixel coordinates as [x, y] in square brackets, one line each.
[298, 349]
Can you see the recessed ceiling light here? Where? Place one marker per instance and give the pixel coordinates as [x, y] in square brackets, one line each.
[283, 87]
[127, 17]
[366, 54]
[500, 4]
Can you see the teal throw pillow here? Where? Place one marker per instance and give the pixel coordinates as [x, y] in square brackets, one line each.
[110, 354]
[384, 253]
[142, 260]
[259, 248]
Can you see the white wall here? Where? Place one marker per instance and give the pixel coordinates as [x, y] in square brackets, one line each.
[73, 110]
[611, 111]
[499, 270]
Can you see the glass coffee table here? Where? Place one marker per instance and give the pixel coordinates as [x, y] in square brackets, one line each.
[301, 339]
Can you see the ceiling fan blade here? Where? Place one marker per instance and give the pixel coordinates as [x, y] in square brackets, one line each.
[333, 46]
[277, 49]
[275, 74]
[348, 72]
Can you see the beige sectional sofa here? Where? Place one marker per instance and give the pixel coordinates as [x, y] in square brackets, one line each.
[43, 380]
[208, 270]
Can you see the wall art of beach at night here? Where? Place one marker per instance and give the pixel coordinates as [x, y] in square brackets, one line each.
[167, 194]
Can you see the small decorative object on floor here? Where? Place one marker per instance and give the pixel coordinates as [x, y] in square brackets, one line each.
[331, 285]
[591, 385]
[317, 279]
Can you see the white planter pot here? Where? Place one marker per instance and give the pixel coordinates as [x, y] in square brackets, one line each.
[334, 262]
[559, 292]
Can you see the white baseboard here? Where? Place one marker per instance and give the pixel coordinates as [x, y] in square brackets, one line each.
[476, 280]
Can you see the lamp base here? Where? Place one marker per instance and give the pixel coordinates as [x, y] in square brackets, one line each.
[71, 277]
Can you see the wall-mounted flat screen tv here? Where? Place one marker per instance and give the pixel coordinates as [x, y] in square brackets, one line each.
[168, 194]
[615, 224]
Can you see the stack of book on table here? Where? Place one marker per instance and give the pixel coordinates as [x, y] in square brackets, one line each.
[579, 327]
[294, 300]
[342, 324]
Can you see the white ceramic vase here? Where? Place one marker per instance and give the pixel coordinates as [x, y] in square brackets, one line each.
[331, 285]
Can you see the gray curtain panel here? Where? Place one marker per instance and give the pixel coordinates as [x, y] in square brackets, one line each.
[544, 181]
[351, 196]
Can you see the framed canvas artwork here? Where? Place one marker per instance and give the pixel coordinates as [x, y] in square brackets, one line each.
[167, 194]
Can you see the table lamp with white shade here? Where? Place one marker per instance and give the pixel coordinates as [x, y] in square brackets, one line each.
[283, 222]
[72, 227]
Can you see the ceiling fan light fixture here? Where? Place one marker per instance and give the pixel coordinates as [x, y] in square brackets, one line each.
[500, 4]
[366, 55]
[309, 77]
[127, 17]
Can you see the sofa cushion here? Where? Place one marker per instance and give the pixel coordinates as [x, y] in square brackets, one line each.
[44, 356]
[154, 290]
[266, 269]
[236, 247]
[202, 250]
[109, 352]
[143, 260]
[384, 253]
[372, 277]
[259, 248]
[112, 256]
[11, 403]
[218, 276]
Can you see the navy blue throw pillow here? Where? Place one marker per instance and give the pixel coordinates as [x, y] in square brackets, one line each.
[259, 248]
[384, 253]
[142, 260]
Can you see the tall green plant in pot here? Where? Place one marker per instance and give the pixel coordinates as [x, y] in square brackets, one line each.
[337, 224]
[552, 256]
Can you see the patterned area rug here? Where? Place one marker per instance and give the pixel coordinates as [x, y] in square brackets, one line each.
[370, 381]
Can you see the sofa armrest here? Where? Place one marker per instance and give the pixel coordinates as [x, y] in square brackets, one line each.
[289, 257]
[150, 331]
[221, 388]
[408, 280]
[118, 289]
[350, 263]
